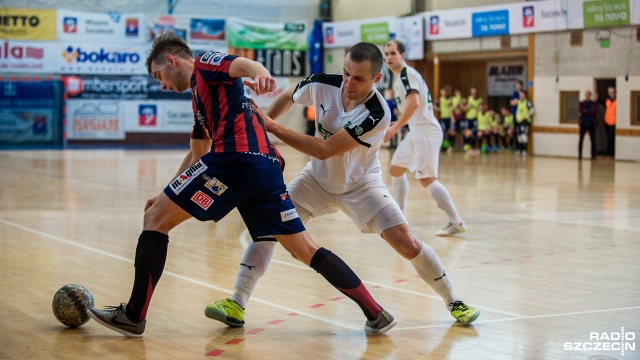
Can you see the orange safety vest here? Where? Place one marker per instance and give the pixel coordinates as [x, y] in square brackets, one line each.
[610, 112]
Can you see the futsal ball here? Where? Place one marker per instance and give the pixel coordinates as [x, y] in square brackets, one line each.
[70, 305]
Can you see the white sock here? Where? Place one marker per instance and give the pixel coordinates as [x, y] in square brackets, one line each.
[440, 194]
[253, 266]
[432, 271]
[400, 185]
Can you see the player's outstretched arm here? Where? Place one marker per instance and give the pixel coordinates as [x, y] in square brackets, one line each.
[321, 149]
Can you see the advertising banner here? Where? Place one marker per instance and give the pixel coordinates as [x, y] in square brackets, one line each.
[343, 34]
[113, 27]
[257, 35]
[28, 112]
[502, 77]
[27, 24]
[207, 30]
[158, 116]
[277, 62]
[410, 32]
[537, 16]
[94, 120]
[27, 56]
[119, 87]
[96, 58]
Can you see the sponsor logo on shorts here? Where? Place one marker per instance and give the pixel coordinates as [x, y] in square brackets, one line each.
[203, 200]
[216, 186]
[179, 183]
[289, 215]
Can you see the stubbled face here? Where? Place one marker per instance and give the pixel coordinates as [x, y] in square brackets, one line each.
[392, 57]
[357, 79]
[171, 76]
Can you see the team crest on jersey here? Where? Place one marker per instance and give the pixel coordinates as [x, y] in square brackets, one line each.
[359, 130]
[213, 58]
[215, 185]
[284, 196]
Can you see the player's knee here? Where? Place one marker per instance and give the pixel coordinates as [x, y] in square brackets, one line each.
[427, 181]
[396, 171]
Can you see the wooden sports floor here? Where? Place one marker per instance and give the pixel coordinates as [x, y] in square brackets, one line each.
[551, 259]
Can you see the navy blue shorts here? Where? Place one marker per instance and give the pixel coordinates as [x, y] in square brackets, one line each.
[253, 183]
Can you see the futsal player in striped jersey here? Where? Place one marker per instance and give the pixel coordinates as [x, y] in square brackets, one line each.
[230, 164]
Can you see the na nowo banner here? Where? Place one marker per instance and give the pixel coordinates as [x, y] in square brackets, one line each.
[114, 27]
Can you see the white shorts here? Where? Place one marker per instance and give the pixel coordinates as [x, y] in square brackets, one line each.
[361, 204]
[419, 152]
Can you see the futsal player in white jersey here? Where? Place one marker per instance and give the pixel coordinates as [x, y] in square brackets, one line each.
[419, 150]
[344, 174]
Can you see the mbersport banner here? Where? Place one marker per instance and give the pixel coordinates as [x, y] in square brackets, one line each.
[257, 35]
[27, 56]
[96, 58]
[119, 87]
[341, 34]
[27, 24]
[114, 27]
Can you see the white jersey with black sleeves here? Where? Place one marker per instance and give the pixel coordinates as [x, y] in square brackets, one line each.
[366, 123]
[423, 119]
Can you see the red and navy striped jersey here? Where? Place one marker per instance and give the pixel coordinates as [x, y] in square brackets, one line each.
[222, 109]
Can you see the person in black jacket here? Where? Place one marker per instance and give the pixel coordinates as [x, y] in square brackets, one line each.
[588, 123]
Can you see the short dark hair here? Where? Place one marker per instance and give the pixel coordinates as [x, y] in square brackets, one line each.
[399, 45]
[365, 51]
[167, 43]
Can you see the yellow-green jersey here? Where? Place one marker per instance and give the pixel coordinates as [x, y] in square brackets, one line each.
[473, 105]
[507, 121]
[493, 121]
[523, 111]
[484, 120]
[445, 107]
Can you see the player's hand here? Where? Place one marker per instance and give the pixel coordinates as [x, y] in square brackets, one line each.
[391, 132]
[150, 202]
[262, 84]
[268, 122]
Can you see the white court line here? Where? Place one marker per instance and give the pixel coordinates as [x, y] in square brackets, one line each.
[285, 308]
[244, 241]
[178, 276]
[586, 312]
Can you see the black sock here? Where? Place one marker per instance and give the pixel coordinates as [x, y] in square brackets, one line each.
[340, 275]
[151, 255]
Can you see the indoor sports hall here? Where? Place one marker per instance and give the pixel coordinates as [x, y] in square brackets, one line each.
[549, 257]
